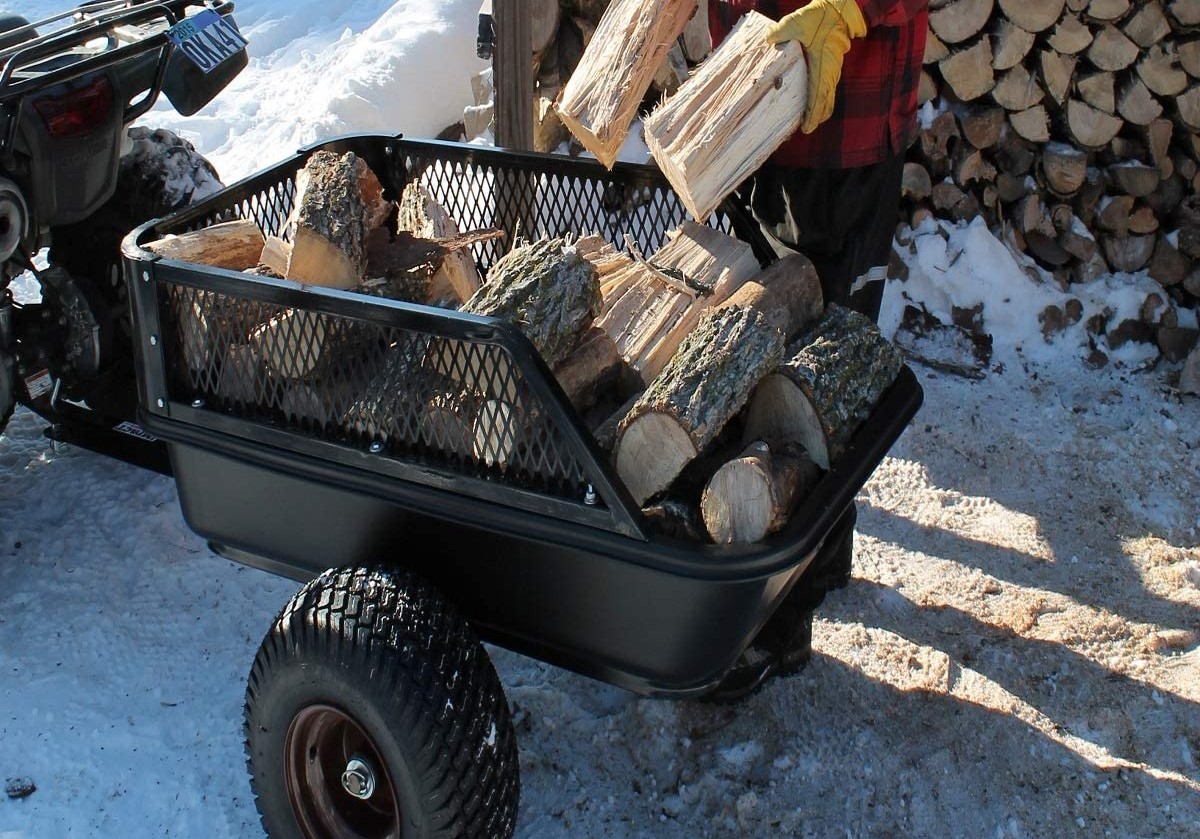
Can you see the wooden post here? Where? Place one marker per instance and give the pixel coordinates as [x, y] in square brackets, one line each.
[514, 74]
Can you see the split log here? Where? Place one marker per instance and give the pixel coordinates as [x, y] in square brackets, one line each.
[826, 387]
[1143, 221]
[927, 89]
[1017, 90]
[326, 224]
[1189, 57]
[1010, 44]
[1064, 168]
[446, 425]
[1167, 266]
[1099, 91]
[296, 343]
[654, 306]
[232, 245]
[1070, 36]
[983, 127]
[1057, 74]
[969, 72]
[1134, 178]
[1111, 50]
[242, 375]
[376, 209]
[456, 278]
[935, 143]
[673, 72]
[548, 131]
[960, 20]
[1187, 109]
[1159, 70]
[1148, 25]
[602, 97]
[1091, 128]
[1078, 241]
[970, 166]
[754, 495]
[606, 433]
[1185, 12]
[935, 50]
[1033, 17]
[915, 183]
[1128, 253]
[1115, 215]
[1030, 216]
[705, 384]
[1136, 105]
[1032, 124]
[744, 101]
[788, 293]
[589, 369]
[1106, 10]
[1158, 139]
[275, 255]
[545, 288]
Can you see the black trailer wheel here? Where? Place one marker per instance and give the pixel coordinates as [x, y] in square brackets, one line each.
[373, 712]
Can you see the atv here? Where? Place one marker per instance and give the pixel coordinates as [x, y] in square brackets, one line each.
[75, 178]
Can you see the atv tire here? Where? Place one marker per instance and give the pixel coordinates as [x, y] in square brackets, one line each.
[372, 710]
[8, 390]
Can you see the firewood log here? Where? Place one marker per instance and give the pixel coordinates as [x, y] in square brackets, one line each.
[1017, 90]
[754, 495]
[1070, 36]
[970, 166]
[1128, 253]
[275, 255]
[915, 183]
[1105, 10]
[1111, 50]
[1185, 12]
[1010, 44]
[1187, 109]
[1058, 71]
[607, 432]
[983, 127]
[602, 97]
[233, 245]
[1134, 178]
[697, 39]
[1148, 25]
[1033, 17]
[1078, 241]
[745, 100]
[242, 375]
[1064, 168]
[549, 291]
[1159, 71]
[652, 307]
[705, 384]
[969, 72]
[588, 369]
[960, 20]
[547, 15]
[1136, 105]
[1032, 124]
[935, 50]
[826, 387]
[326, 224]
[1167, 266]
[1189, 57]
[457, 278]
[672, 74]
[1091, 128]
[376, 209]
[1158, 140]
[1115, 215]
[788, 293]
[294, 343]
[1099, 91]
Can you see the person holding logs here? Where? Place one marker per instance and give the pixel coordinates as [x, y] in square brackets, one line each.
[831, 192]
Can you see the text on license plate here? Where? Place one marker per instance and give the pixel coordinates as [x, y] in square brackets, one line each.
[207, 39]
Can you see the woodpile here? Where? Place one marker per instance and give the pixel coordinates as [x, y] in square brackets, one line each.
[1071, 128]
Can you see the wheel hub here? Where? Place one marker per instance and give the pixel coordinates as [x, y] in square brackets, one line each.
[359, 778]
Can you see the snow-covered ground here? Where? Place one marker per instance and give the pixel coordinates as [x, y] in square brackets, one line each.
[1018, 654]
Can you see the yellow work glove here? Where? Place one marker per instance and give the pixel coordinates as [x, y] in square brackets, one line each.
[824, 28]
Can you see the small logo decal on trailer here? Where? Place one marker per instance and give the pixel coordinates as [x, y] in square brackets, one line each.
[135, 430]
[39, 384]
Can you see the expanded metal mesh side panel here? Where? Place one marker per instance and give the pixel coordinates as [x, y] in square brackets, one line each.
[268, 207]
[559, 198]
[462, 406]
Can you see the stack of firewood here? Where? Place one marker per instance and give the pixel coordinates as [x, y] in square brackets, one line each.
[1073, 128]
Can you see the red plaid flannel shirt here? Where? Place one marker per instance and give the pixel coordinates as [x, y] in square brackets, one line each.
[874, 113]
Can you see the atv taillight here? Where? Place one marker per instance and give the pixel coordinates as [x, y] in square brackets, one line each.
[78, 112]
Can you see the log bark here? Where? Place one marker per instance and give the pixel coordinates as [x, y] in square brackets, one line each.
[745, 100]
[1091, 128]
[457, 278]
[1017, 90]
[326, 224]
[960, 20]
[232, 245]
[1010, 44]
[1100, 91]
[754, 495]
[1070, 36]
[788, 294]
[969, 72]
[549, 291]
[1033, 17]
[826, 387]
[602, 97]
[706, 383]
[1111, 50]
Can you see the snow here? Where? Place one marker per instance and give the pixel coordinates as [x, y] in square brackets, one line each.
[1017, 654]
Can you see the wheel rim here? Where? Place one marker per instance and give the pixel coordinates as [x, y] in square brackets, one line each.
[337, 785]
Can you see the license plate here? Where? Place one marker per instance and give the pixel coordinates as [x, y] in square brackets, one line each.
[207, 39]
